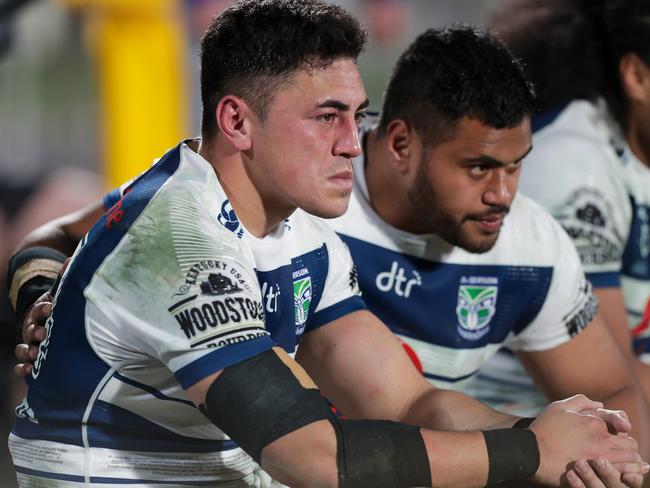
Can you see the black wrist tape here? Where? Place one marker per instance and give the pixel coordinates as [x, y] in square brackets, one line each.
[30, 273]
[523, 423]
[380, 454]
[513, 454]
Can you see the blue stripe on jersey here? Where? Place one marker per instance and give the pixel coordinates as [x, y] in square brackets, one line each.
[111, 198]
[636, 256]
[291, 293]
[104, 480]
[70, 371]
[451, 305]
[641, 345]
[151, 390]
[113, 427]
[540, 121]
[448, 379]
[338, 310]
[221, 358]
[609, 279]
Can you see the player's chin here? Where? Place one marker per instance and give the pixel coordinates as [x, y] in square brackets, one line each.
[477, 242]
[330, 207]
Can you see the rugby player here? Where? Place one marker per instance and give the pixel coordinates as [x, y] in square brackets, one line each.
[207, 270]
[594, 128]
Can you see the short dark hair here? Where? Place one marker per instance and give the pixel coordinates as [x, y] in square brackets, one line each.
[255, 45]
[456, 72]
[571, 49]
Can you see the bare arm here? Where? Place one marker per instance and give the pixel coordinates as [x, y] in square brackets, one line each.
[612, 308]
[459, 459]
[359, 365]
[64, 233]
[591, 363]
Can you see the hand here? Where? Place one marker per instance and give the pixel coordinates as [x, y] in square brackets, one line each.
[33, 333]
[565, 436]
[617, 420]
[601, 474]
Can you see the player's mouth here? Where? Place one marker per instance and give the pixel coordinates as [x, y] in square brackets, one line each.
[490, 222]
[342, 179]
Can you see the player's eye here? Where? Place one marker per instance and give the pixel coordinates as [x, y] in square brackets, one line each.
[329, 117]
[479, 169]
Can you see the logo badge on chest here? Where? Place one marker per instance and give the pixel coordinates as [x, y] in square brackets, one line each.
[476, 305]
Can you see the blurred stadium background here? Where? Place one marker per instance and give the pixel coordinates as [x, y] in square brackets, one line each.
[92, 90]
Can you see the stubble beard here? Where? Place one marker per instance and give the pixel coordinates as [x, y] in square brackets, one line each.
[431, 213]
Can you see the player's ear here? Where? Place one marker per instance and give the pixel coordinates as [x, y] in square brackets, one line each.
[234, 117]
[400, 141]
[635, 78]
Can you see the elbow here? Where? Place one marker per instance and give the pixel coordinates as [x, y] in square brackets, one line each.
[314, 467]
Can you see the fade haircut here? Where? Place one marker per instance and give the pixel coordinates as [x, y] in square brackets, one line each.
[254, 47]
[451, 73]
[571, 49]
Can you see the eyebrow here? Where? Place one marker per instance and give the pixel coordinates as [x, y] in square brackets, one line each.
[483, 159]
[343, 107]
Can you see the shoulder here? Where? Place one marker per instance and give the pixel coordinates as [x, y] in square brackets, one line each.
[530, 235]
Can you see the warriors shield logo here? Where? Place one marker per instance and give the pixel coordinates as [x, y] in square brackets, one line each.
[475, 308]
[302, 300]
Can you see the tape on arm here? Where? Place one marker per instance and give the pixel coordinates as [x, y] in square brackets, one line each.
[263, 398]
[30, 273]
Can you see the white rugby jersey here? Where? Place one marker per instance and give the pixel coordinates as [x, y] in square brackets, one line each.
[583, 172]
[455, 308]
[167, 288]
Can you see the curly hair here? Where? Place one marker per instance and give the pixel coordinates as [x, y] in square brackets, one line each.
[451, 73]
[571, 49]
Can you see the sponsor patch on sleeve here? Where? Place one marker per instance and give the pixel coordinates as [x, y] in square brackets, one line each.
[576, 320]
[217, 306]
[588, 219]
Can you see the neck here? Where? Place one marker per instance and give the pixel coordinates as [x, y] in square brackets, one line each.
[636, 142]
[252, 207]
[387, 192]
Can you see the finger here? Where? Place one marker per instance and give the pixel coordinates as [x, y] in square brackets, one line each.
[22, 353]
[632, 468]
[578, 403]
[574, 480]
[41, 311]
[632, 480]
[34, 334]
[588, 476]
[606, 472]
[616, 419]
[623, 442]
[22, 370]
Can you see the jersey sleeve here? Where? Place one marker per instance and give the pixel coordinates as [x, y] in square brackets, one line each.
[572, 177]
[178, 289]
[570, 304]
[341, 295]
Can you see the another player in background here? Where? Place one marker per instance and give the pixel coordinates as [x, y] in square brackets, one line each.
[449, 255]
[590, 63]
[356, 367]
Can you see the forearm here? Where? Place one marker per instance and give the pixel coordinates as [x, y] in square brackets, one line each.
[635, 406]
[52, 235]
[450, 410]
[642, 371]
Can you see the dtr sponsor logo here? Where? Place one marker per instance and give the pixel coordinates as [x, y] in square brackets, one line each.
[398, 281]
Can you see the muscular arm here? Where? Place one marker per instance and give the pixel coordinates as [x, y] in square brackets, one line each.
[612, 308]
[591, 363]
[64, 233]
[457, 458]
[359, 365]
